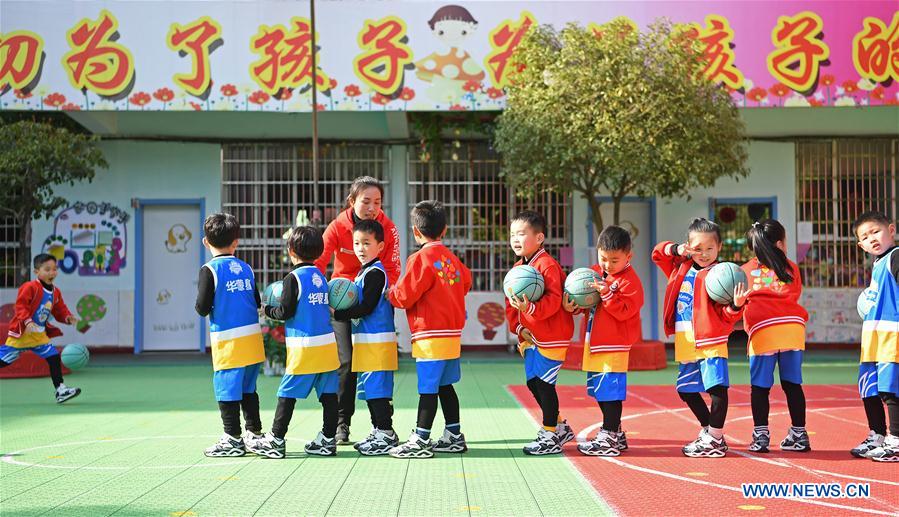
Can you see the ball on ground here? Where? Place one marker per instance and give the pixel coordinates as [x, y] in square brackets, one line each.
[75, 356]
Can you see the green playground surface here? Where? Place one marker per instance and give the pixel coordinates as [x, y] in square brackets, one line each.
[132, 444]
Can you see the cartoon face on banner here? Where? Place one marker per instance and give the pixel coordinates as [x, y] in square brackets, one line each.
[89, 238]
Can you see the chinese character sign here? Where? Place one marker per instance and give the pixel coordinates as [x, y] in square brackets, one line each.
[875, 50]
[195, 40]
[503, 41]
[96, 61]
[799, 53]
[21, 55]
[385, 56]
[285, 57]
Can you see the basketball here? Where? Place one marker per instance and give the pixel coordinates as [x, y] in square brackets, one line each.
[523, 281]
[342, 294]
[722, 280]
[272, 294]
[75, 356]
[865, 302]
[578, 288]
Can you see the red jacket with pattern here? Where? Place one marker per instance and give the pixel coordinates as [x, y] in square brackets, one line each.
[28, 300]
[550, 324]
[338, 239]
[770, 301]
[616, 322]
[712, 322]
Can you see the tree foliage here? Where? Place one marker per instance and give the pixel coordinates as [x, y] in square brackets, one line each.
[616, 112]
[34, 159]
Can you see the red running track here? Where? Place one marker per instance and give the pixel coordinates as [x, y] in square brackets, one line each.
[653, 477]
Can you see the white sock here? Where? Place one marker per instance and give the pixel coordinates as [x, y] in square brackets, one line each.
[716, 433]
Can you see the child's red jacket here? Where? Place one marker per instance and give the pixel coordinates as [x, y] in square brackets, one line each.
[28, 300]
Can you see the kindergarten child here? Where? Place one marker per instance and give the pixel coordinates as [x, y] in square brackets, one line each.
[775, 323]
[543, 329]
[878, 373]
[613, 327]
[312, 360]
[226, 292]
[30, 328]
[700, 327]
[374, 338]
[432, 290]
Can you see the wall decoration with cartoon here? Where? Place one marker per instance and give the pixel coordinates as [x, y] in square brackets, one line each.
[448, 73]
[90, 238]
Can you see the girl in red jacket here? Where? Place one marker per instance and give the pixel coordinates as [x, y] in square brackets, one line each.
[363, 202]
[700, 327]
[775, 323]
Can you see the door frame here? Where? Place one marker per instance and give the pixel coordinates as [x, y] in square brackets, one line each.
[139, 204]
[654, 272]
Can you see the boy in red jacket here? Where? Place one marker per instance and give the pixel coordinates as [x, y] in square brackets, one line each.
[544, 330]
[613, 327]
[30, 328]
[432, 291]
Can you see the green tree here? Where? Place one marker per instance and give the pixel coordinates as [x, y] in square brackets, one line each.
[616, 112]
[34, 158]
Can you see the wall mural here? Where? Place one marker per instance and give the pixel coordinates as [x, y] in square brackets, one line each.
[90, 239]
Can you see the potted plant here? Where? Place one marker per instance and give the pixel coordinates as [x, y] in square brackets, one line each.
[275, 349]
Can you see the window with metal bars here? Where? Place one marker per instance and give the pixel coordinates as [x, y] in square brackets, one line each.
[9, 248]
[836, 181]
[266, 185]
[480, 206]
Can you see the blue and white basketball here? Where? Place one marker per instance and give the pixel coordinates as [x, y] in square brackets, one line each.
[579, 289]
[523, 281]
[722, 280]
[272, 294]
[75, 356]
[342, 294]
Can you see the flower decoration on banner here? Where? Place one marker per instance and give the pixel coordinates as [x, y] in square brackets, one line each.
[259, 97]
[407, 94]
[828, 80]
[757, 94]
[320, 107]
[495, 93]
[727, 214]
[458, 107]
[352, 90]
[55, 100]
[779, 90]
[472, 86]
[164, 95]
[229, 90]
[284, 94]
[195, 106]
[140, 99]
[332, 84]
[815, 103]
[849, 87]
[878, 93]
[381, 100]
[69, 106]
[21, 94]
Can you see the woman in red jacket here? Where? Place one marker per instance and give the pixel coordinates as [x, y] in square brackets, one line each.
[363, 202]
[775, 323]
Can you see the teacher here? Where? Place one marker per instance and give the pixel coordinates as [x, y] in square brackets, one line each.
[363, 202]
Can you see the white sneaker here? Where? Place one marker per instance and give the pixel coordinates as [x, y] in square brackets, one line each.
[888, 452]
[250, 441]
[227, 447]
[870, 443]
[547, 442]
[414, 447]
[322, 446]
[64, 393]
[605, 444]
[564, 432]
[270, 446]
[379, 443]
[450, 442]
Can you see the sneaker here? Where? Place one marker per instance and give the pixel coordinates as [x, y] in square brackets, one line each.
[367, 439]
[547, 442]
[872, 442]
[250, 439]
[378, 443]
[888, 452]
[450, 442]
[343, 434]
[605, 444]
[796, 442]
[227, 447]
[564, 432]
[706, 446]
[622, 440]
[269, 446]
[761, 441]
[414, 447]
[64, 393]
[322, 446]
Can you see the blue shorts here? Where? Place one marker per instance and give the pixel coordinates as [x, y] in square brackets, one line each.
[761, 368]
[702, 375]
[878, 377]
[300, 386]
[537, 365]
[374, 385]
[9, 354]
[231, 384]
[434, 374]
[608, 386]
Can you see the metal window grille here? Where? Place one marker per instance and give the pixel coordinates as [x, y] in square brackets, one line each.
[266, 185]
[836, 181]
[9, 247]
[480, 206]
[734, 220]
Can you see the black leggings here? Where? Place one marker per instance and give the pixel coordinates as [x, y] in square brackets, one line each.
[718, 413]
[795, 402]
[611, 415]
[381, 411]
[427, 407]
[547, 398]
[892, 403]
[284, 413]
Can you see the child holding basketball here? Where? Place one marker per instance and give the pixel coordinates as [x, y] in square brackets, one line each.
[612, 328]
[30, 328]
[700, 327]
[543, 329]
[878, 373]
[374, 338]
[432, 291]
[775, 323]
[226, 292]
[312, 359]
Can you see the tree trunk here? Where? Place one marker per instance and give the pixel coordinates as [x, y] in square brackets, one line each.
[594, 211]
[23, 254]
[616, 213]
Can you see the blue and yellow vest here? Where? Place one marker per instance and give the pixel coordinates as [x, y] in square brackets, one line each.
[311, 345]
[685, 350]
[234, 331]
[374, 336]
[39, 318]
[880, 330]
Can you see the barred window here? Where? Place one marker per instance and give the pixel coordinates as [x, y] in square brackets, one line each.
[266, 185]
[735, 217]
[836, 181]
[480, 206]
[9, 249]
